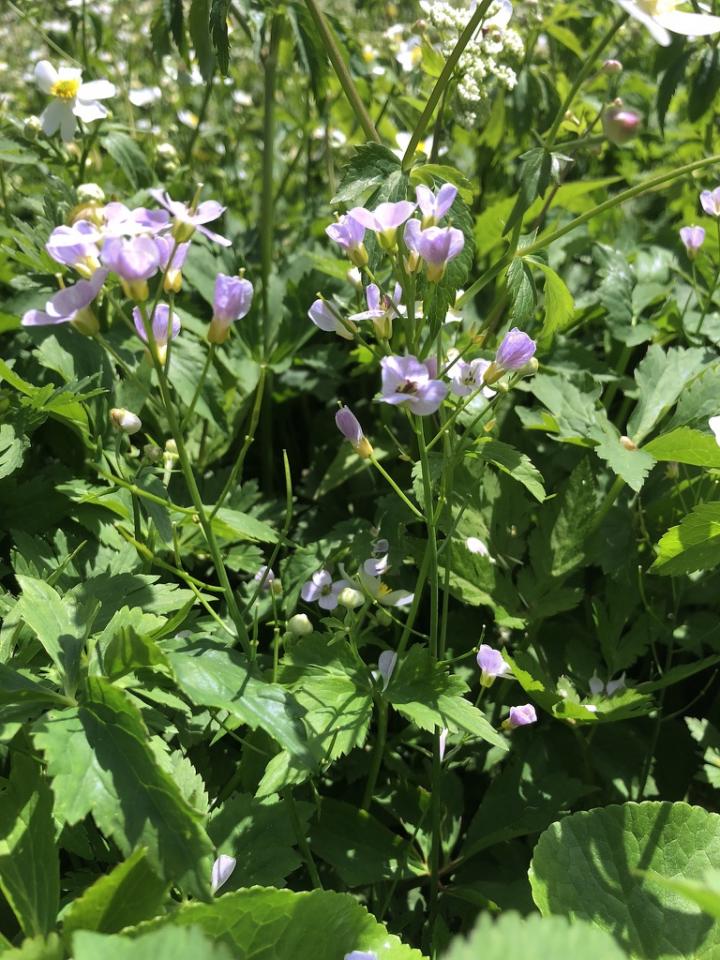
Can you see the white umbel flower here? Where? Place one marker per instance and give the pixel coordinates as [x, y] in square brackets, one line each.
[71, 98]
[661, 16]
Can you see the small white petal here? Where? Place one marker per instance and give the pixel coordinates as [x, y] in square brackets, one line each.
[221, 871]
[67, 123]
[714, 424]
[52, 116]
[45, 75]
[689, 24]
[97, 90]
[88, 111]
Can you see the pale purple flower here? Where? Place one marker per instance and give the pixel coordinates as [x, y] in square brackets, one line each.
[411, 237]
[349, 426]
[515, 350]
[172, 260]
[189, 219]
[521, 716]
[376, 566]
[121, 221]
[693, 237]
[164, 327]
[467, 377]
[381, 309]
[408, 381]
[384, 219]
[321, 589]
[221, 871]
[386, 664]
[349, 233]
[710, 202]
[324, 317]
[491, 664]
[434, 206]
[134, 260]
[76, 246]
[232, 301]
[70, 305]
[360, 955]
[437, 246]
[264, 576]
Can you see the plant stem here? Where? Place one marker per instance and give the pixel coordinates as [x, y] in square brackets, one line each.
[341, 71]
[198, 389]
[582, 76]
[411, 506]
[302, 841]
[442, 82]
[201, 116]
[378, 751]
[712, 289]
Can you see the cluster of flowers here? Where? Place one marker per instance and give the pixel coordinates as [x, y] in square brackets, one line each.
[482, 65]
[352, 592]
[693, 236]
[134, 245]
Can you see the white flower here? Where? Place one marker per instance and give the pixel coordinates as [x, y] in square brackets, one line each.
[714, 424]
[72, 98]
[221, 871]
[381, 593]
[659, 16]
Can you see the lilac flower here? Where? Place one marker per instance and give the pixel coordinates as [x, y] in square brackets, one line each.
[467, 377]
[76, 247]
[411, 237]
[521, 716]
[350, 233]
[323, 316]
[265, 576]
[121, 221]
[376, 566]
[221, 871]
[349, 426]
[232, 301]
[384, 220]
[167, 248]
[164, 328]
[491, 664]
[714, 424]
[360, 955]
[693, 237]
[515, 350]
[434, 206]
[710, 202]
[386, 664]
[381, 310]
[437, 246]
[405, 380]
[134, 260]
[321, 589]
[620, 125]
[70, 305]
[615, 686]
[381, 593]
[189, 219]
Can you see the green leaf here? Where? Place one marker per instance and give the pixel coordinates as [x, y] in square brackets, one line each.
[37, 948]
[693, 545]
[533, 938]
[515, 464]
[15, 687]
[129, 158]
[233, 525]
[521, 287]
[586, 866]
[172, 943]
[705, 893]
[127, 651]
[214, 676]
[219, 12]
[686, 446]
[101, 763]
[534, 180]
[131, 892]
[12, 449]
[199, 27]
[559, 306]
[425, 693]
[661, 378]
[54, 621]
[574, 520]
[360, 848]
[368, 168]
[704, 84]
[282, 924]
[29, 863]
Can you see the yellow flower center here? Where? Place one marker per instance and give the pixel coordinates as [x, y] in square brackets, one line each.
[65, 89]
[383, 590]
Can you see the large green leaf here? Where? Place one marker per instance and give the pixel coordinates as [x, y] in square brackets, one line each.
[686, 446]
[172, 943]
[131, 892]
[427, 694]
[101, 763]
[661, 378]
[266, 924]
[586, 866]
[533, 938]
[55, 622]
[29, 864]
[513, 463]
[693, 545]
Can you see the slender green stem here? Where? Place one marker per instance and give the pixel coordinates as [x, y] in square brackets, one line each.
[198, 388]
[341, 71]
[378, 752]
[713, 288]
[89, 143]
[584, 73]
[302, 841]
[267, 219]
[442, 82]
[408, 503]
[201, 117]
[3, 192]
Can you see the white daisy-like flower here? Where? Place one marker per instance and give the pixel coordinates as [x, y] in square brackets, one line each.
[71, 98]
[661, 16]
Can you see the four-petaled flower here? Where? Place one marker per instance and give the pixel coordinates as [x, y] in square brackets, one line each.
[349, 233]
[134, 260]
[70, 305]
[437, 246]
[76, 247]
[710, 202]
[321, 589]
[324, 317]
[381, 593]
[491, 664]
[660, 16]
[73, 99]
[165, 327]
[409, 382]
[434, 206]
[693, 238]
[189, 219]
[384, 220]
[232, 301]
[467, 377]
[381, 310]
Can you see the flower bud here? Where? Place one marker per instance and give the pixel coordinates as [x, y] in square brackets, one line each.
[612, 67]
[90, 193]
[383, 617]
[31, 128]
[354, 277]
[620, 125]
[221, 871]
[349, 425]
[350, 598]
[521, 716]
[125, 421]
[171, 449]
[152, 452]
[300, 625]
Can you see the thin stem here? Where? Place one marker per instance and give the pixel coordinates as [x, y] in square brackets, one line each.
[378, 751]
[711, 294]
[267, 221]
[582, 76]
[201, 117]
[302, 842]
[3, 191]
[442, 82]
[198, 389]
[341, 71]
[408, 503]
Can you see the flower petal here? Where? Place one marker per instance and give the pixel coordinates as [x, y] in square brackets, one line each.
[89, 110]
[45, 75]
[97, 90]
[689, 24]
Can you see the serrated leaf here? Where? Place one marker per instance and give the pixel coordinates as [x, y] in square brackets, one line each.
[53, 619]
[585, 867]
[12, 449]
[705, 893]
[686, 446]
[171, 943]
[559, 306]
[521, 288]
[219, 12]
[661, 378]
[692, 545]
[513, 463]
[534, 180]
[199, 28]
[369, 167]
[704, 84]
